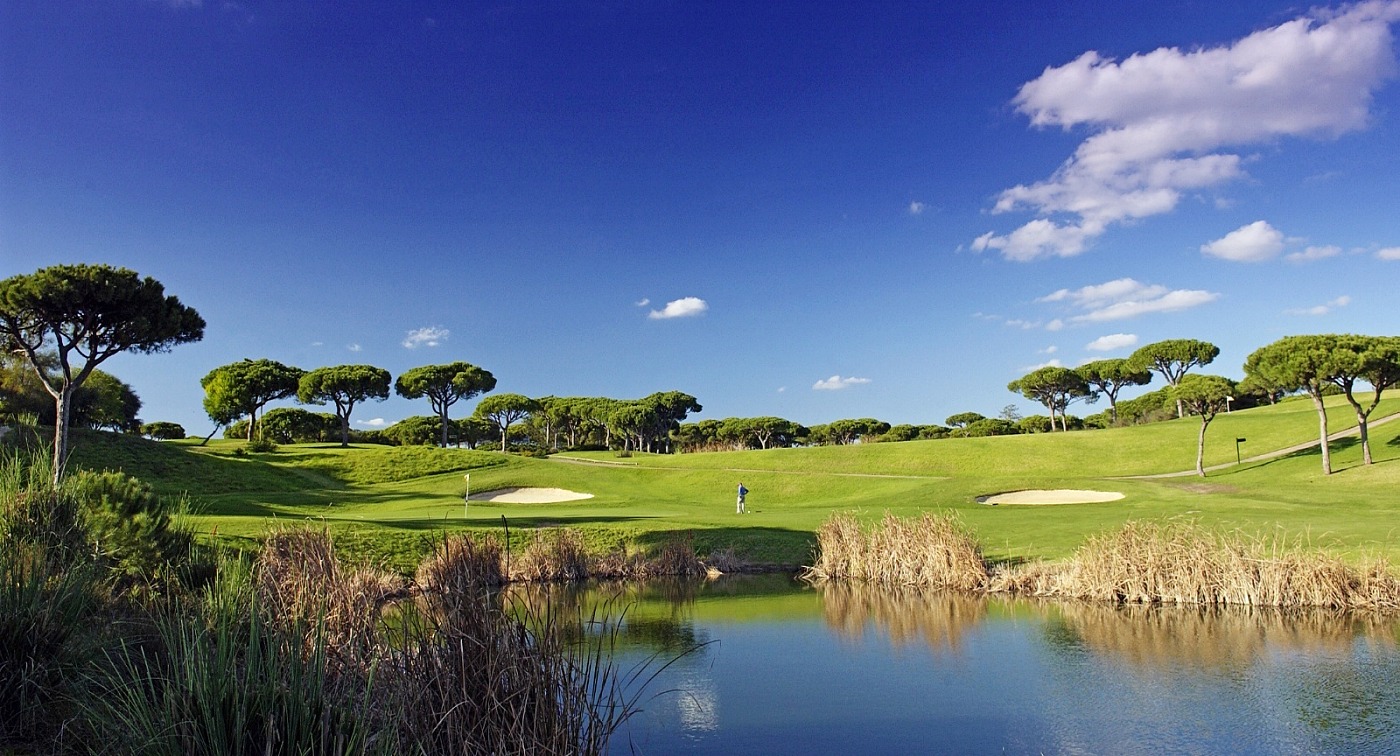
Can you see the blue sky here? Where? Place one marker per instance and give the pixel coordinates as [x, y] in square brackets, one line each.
[812, 210]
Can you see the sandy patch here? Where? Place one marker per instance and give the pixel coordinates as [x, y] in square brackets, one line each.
[530, 495]
[1054, 496]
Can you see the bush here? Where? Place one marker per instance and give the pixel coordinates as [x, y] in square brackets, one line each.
[132, 530]
[261, 445]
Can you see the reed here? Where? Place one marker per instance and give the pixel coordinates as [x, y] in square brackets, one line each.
[552, 554]
[930, 551]
[1183, 563]
[301, 584]
[1140, 563]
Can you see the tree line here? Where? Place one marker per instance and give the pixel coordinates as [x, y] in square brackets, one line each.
[58, 324]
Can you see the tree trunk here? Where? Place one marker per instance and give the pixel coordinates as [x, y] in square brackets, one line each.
[344, 431]
[443, 416]
[252, 421]
[1201, 449]
[1365, 439]
[205, 442]
[62, 409]
[1316, 394]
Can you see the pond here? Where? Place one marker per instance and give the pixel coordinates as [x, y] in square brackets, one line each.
[784, 667]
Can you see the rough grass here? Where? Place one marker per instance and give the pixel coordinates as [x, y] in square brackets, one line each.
[931, 551]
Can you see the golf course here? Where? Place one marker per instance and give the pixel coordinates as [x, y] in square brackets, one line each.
[388, 506]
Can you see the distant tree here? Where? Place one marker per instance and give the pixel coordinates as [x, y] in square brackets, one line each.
[630, 421]
[1300, 362]
[1108, 377]
[1035, 424]
[1010, 413]
[294, 425]
[106, 402]
[990, 426]
[417, 430]
[1205, 396]
[932, 432]
[86, 314]
[503, 411]
[444, 385]
[343, 386]
[243, 388]
[963, 419]
[1371, 359]
[161, 430]
[1055, 387]
[1172, 358]
[669, 409]
[901, 432]
[1253, 385]
[765, 432]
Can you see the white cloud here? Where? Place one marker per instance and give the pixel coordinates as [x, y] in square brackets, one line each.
[1112, 342]
[1389, 253]
[1055, 325]
[1049, 350]
[917, 208]
[377, 422]
[354, 347]
[1124, 298]
[1161, 122]
[1314, 253]
[686, 307]
[1033, 368]
[1255, 242]
[644, 302]
[836, 383]
[782, 389]
[428, 337]
[1322, 309]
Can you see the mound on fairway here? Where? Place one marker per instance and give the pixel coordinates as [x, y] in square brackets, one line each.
[530, 495]
[1051, 496]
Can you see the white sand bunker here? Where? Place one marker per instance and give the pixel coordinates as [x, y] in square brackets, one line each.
[530, 495]
[1051, 496]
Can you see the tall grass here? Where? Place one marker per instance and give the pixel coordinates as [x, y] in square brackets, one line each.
[1140, 563]
[1183, 563]
[48, 591]
[930, 551]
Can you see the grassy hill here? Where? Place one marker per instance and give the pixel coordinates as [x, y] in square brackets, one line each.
[389, 504]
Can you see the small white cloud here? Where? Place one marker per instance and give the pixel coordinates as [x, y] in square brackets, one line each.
[1255, 242]
[1124, 298]
[377, 422]
[1389, 253]
[644, 302]
[917, 208]
[1024, 325]
[1322, 309]
[836, 383]
[426, 337]
[353, 347]
[1050, 349]
[1314, 253]
[686, 307]
[782, 389]
[318, 343]
[1112, 342]
[1033, 368]
[1055, 325]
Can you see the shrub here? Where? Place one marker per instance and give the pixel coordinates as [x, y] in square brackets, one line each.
[135, 532]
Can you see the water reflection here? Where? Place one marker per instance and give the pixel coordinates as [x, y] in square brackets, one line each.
[938, 619]
[1207, 638]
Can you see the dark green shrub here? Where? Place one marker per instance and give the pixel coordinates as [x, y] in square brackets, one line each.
[133, 531]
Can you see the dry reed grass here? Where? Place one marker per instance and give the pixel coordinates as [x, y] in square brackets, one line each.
[933, 551]
[1140, 563]
[1183, 563]
[301, 584]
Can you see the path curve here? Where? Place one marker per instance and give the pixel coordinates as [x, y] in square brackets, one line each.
[1352, 431]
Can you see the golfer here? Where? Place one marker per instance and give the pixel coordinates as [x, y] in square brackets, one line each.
[742, 493]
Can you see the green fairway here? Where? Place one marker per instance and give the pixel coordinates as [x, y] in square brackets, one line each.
[388, 504]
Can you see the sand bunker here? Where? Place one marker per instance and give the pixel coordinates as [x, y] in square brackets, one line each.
[530, 495]
[1055, 496]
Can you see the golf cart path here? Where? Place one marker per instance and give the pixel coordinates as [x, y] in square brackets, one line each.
[1352, 431]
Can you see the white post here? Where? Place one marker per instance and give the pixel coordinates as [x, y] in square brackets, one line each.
[466, 499]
